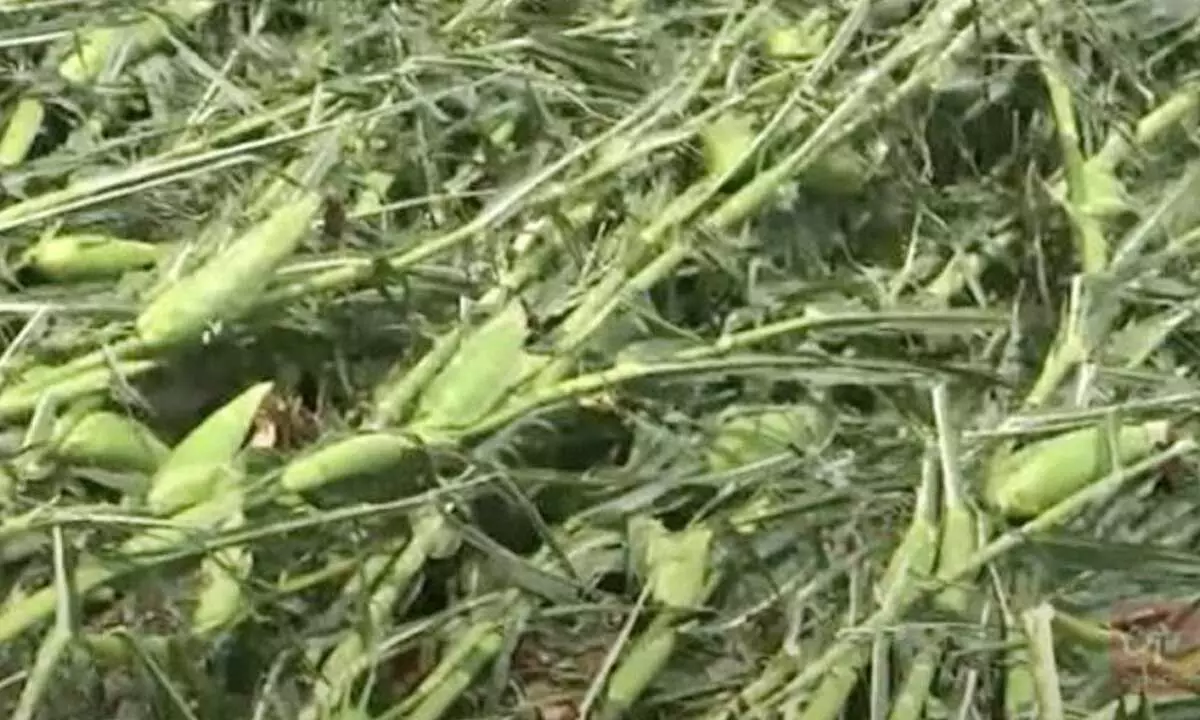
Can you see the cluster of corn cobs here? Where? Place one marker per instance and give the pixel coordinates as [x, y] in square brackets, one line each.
[616, 334]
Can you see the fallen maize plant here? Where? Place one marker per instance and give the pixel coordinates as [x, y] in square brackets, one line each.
[601, 359]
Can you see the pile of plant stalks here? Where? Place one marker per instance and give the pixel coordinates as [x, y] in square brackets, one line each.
[599, 359]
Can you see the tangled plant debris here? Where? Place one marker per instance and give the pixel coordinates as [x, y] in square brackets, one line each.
[598, 359]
